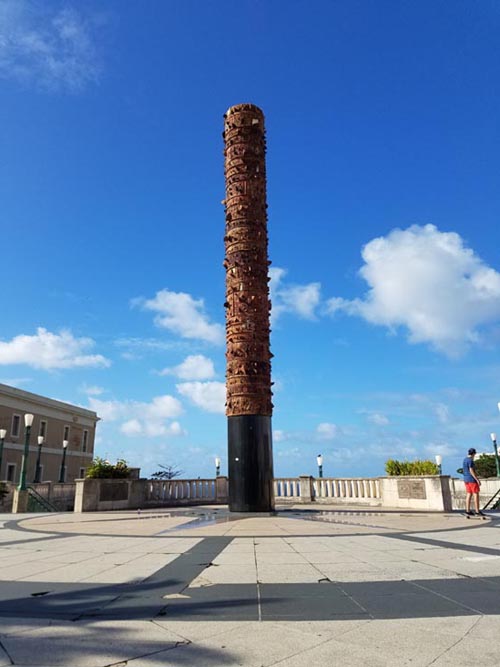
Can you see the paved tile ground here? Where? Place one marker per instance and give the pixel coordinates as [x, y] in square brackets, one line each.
[203, 588]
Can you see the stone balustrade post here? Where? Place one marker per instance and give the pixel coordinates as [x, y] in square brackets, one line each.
[306, 489]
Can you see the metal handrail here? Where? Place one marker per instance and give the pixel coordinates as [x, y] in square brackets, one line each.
[496, 504]
[40, 500]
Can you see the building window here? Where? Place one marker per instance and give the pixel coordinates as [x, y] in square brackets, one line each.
[66, 433]
[82, 473]
[43, 428]
[16, 425]
[11, 472]
[85, 441]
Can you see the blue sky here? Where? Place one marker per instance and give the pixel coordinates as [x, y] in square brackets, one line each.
[383, 169]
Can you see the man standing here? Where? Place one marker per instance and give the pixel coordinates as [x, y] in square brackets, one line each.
[472, 483]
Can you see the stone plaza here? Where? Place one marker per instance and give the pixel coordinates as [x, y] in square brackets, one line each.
[205, 587]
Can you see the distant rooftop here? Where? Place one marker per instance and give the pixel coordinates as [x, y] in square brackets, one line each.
[43, 400]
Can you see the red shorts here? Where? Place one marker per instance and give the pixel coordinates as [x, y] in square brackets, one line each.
[472, 487]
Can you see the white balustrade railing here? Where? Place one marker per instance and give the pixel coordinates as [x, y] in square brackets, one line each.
[177, 490]
[287, 488]
[351, 489]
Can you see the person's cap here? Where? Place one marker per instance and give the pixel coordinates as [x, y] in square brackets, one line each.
[471, 451]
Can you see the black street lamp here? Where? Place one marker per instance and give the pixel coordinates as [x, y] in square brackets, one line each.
[439, 460]
[38, 469]
[28, 421]
[62, 474]
[319, 460]
[217, 466]
[3, 433]
[493, 437]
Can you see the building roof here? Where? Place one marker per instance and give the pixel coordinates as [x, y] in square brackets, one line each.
[13, 392]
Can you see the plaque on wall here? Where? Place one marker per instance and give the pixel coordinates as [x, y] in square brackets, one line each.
[411, 489]
[113, 491]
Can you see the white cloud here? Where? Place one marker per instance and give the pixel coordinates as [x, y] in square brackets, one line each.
[132, 427]
[301, 300]
[108, 410]
[442, 413]
[154, 429]
[443, 448]
[54, 50]
[279, 436]
[209, 396]
[50, 351]
[181, 314]
[194, 367]
[326, 431]
[134, 348]
[92, 390]
[378, 419]
[430, 283]
[145, 419]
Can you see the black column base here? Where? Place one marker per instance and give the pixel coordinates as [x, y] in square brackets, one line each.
[250, 464]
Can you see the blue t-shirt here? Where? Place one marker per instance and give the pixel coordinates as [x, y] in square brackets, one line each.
[468, 465]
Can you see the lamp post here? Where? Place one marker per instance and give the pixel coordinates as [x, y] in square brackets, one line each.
[28, 421]
[63, 462]
[3, 433]
[217, 466]
[493, 437]
[38, 470]
[319, 460]
[439, 460]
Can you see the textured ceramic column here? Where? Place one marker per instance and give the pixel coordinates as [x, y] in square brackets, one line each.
[248, 370]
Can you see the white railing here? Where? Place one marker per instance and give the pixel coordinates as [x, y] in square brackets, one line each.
[176, 490]
[337, 490]
[287, 488]
[352, 488]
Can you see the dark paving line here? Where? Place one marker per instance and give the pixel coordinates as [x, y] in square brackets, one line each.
[442, 543]
[34, 539]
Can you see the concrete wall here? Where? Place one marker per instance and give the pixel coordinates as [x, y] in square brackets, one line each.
[426, 493]
[93, 495]
[488, 488]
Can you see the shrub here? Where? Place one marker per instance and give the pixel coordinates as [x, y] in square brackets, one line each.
[3, 491]
[396, 468]
[102, 469]
[485, 466]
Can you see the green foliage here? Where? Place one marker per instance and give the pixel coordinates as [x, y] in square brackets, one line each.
[167, 472]
[485, 466]
[102, 469]
[396, 468]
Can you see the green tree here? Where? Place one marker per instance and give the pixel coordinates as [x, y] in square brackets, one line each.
[485, 466]
[103, 469]
[167, 472]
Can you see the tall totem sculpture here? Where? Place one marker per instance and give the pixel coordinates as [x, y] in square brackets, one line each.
[248, 370]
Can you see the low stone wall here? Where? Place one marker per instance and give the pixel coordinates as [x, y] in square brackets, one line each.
[432, 493]
[94, 495]
[428, 493]
[488, 489]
